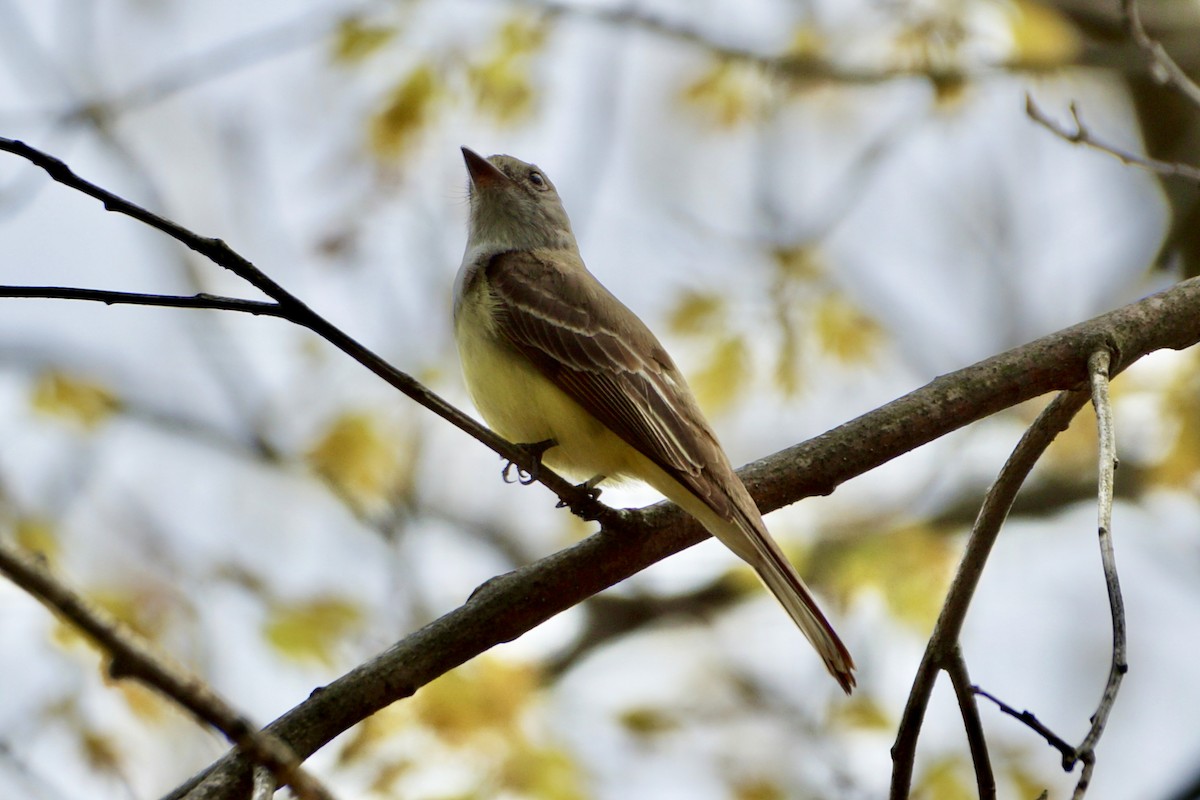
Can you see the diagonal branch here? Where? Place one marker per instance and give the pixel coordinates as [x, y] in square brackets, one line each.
[131, 657]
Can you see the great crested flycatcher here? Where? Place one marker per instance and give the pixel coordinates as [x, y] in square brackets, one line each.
[550, 356]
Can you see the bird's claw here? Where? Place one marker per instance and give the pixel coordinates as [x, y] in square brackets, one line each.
[527, 476]
[592, 491]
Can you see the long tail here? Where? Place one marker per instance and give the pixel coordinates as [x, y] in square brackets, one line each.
[780, 577]
[740, 528]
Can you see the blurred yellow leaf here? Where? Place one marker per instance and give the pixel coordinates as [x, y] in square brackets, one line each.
[502, 89]
[363, 462]
[388, 772]
[541, 772]
[696, 313]
[865, 714]
[144, 702]
[37, 535]
[70, 397]
[788, 368]
[1042, 36]
[143, 610]
[1181, 466]
[405, 113]
[501, 81]
[801, 264]
[367, 735]
[760, 789]
[355, 40]
[1028, 784]
[729, 93]
[949, 778]
[146, 610]
[843, 330]
[485, 694]
[310, 630]
[807, 42]
[647, 722]
[910, 566]
[100, 749]
[725, 375]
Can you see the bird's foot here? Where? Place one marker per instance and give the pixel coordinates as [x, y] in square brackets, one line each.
[585, 507]
[535, 450]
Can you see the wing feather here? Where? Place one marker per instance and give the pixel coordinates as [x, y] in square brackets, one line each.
[597, 350]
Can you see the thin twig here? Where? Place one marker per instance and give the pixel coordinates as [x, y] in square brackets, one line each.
[1033, 723]
[204, 301]
[1098, 367]
[960, 679]
[943, 643]
[132, 657]
[1163, 67]
[1081, 135]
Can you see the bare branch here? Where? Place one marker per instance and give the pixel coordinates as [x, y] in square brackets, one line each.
[1033, 723]
[1081, 135]
[208, 301]
[1098, 366]
[1163, 67]
[943, 644]
[131, 657]
[956, 668]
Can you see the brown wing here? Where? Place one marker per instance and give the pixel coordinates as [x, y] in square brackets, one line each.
[606, 359]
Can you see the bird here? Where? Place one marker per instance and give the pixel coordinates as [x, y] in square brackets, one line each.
[553, 361]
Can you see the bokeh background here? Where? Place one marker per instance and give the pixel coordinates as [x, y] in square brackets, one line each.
[817, 205]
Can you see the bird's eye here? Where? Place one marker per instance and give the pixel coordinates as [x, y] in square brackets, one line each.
[537, 179]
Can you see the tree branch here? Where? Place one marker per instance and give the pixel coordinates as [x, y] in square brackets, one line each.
[206, 301]
[1098, 367]
[1082, 135]
[942, 648]
[131, 657]
[1162, 66]
[960, 679]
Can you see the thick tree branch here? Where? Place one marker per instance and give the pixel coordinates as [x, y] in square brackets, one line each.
[130, 657]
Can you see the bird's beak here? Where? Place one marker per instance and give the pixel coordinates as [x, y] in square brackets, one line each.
[482, 172]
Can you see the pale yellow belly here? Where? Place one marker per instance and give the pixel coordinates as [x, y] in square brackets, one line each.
[523, 406]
